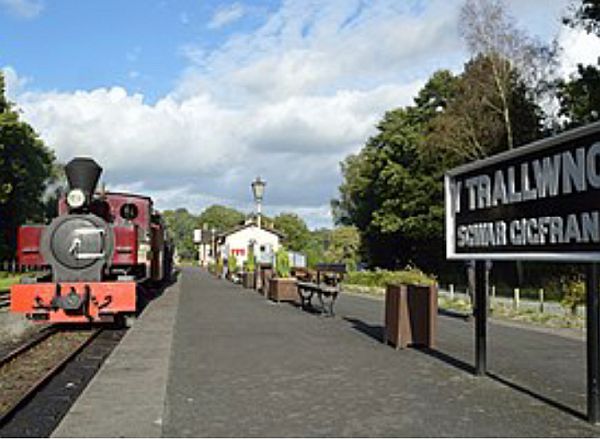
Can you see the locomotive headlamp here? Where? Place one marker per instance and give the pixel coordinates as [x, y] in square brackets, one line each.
[75, 198]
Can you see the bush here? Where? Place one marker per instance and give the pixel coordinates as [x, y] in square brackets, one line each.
[573, 289]
[249, 265]
[282, 262]
[381, 278]
[231, 264]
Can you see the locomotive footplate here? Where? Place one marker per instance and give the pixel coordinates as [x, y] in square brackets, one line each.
[73, 301]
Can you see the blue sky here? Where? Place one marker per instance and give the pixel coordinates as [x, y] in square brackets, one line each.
[190, 100]
[137, 44]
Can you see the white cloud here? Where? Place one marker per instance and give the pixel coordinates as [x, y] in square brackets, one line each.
[578, 47]
[227, 15]
[23, 8]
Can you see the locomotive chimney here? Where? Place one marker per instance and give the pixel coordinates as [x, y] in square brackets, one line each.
[83, 174]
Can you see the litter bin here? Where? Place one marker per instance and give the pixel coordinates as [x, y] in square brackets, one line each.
[410, 315]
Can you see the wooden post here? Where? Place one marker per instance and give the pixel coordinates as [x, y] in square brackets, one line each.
[451, 288]
[516, 298]
[541, 294]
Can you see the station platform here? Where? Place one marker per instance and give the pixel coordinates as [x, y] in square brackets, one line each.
[209, 358]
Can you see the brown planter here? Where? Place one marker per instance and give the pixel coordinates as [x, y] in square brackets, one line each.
[248, 279]
[266, 273]
[410, 315]
[283, 289]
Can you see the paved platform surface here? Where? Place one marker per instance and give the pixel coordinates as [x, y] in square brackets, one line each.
[126, 397]
[242, 366]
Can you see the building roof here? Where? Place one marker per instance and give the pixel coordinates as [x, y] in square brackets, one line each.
[245, 226]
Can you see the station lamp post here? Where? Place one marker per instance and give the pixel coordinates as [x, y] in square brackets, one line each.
[258, 190]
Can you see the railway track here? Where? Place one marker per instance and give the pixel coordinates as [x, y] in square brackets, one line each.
[24, 371]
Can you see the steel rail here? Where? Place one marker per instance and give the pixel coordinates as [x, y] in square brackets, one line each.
[4, 298]
[33, 389]
[31, 343]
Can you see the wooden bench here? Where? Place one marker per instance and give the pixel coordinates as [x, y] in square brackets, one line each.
[325, 286]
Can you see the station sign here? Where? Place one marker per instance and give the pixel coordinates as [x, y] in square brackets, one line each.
[536, 202]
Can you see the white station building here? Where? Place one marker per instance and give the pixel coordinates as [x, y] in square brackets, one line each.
[237, 241]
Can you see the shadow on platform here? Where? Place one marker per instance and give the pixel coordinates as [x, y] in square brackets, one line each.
[376, 332]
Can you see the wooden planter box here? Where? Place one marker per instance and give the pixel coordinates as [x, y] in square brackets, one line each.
[283, 289]
[410, 315]
[266, 273]
[248, 279]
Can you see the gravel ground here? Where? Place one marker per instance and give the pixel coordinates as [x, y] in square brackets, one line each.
[14, 328]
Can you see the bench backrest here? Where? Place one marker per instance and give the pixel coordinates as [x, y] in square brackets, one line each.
[331, 268]
[331, 273]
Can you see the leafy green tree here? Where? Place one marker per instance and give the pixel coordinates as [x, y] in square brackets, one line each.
[474, 123]
[316, 245]
[294, 228]
[392, 190]
[220, 218]
[181, 225]
[344, 244]
[585, 15]
[25, 167]
[579, 96]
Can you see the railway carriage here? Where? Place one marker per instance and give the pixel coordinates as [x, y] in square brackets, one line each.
[98, 249]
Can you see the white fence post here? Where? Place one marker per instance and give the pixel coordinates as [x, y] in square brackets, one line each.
[451, 287]
[516, 297]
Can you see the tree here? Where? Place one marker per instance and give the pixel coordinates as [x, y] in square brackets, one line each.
[344, 243]
[474, 124]
[586, 16]
[315, 247]
[25, 166]
[579, 96]
[220, 218]
[392, 189]
[511, 57]
[294, 228]
[181, 225]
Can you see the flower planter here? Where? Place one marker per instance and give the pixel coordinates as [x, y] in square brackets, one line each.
[410, 315]
[283, 289]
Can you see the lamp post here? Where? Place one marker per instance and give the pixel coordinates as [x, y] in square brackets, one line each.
[258, 190]
[213, 246]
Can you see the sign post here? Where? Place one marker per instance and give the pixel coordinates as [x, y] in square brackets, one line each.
[593, 338]
[539, 202]
[481, 290]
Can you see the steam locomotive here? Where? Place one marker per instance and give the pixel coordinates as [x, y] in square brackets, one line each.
[98, 249]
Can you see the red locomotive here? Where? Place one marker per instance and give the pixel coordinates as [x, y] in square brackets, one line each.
[98, 248]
